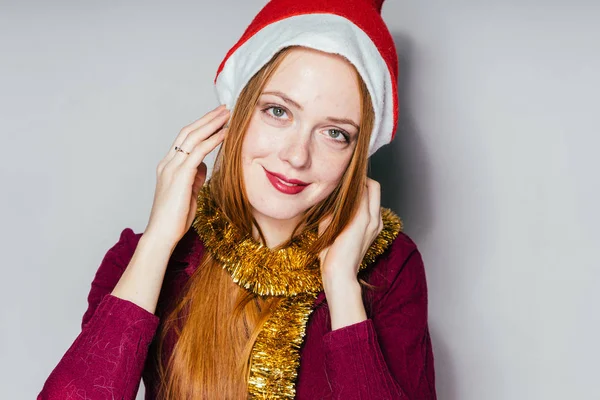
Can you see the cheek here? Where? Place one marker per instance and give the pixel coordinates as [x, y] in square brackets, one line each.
[331, 168]
[259, 141]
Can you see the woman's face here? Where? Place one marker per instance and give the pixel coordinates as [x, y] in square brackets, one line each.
[302, 134]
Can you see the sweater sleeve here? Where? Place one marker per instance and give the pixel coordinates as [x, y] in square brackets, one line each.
[107, 358]
[388, 356]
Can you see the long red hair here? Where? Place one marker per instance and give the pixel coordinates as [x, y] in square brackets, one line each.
[215, 321]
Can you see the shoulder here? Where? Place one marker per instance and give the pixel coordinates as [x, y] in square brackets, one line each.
[399, 272]
[390, 264]
[187, 247]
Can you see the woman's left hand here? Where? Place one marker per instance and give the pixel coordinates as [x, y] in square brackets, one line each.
[341, 260]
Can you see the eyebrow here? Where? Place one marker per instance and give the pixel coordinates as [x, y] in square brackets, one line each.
[295, 104]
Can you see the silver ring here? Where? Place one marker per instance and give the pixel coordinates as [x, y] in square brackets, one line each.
[179, 149]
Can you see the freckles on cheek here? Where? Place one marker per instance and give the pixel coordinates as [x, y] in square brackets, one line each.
[264, 142]
[332, 168]
[333, 177]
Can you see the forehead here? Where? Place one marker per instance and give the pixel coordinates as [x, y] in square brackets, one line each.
[311, 77]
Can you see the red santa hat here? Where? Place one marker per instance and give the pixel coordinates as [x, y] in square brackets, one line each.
[351, 28]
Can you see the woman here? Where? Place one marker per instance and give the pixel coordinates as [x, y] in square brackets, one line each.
[281, 276]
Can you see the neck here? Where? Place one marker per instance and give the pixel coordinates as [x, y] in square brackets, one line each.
[275, 231]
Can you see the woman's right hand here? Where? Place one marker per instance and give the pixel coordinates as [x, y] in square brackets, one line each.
[180, 176]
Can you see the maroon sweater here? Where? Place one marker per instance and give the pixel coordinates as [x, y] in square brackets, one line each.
[388, 356]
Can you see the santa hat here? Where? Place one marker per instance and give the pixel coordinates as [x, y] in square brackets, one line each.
[351, 28]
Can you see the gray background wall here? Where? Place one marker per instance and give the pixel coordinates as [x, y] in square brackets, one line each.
[494, 170]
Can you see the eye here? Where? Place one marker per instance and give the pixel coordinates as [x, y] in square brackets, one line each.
[275, 112]
[338, 135]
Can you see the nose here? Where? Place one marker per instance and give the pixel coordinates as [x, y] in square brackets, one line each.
[296, 149]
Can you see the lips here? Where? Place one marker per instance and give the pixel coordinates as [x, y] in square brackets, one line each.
[285, 185]
[287, 180]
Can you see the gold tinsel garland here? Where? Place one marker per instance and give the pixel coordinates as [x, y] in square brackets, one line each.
[292, 273]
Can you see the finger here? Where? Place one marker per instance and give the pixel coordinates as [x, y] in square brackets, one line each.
[190, 162]
[197, 123]
[374, 190]
[199, 179]
[205, 131]
[199, 153]
[197, 138]
[185, 131]
[379, 224]
[363, 209]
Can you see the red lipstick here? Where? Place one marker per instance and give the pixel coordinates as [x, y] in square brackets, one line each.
[285, 185]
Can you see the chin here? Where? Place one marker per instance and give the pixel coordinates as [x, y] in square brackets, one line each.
[275, 211]
[268, 202]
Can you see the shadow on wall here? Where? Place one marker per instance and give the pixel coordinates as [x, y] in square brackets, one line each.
[402, 169]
